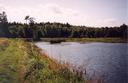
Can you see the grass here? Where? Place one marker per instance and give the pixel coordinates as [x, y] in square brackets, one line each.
[22, 62]
[84, 40]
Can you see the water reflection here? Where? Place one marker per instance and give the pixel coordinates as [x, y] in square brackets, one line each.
[108, 60]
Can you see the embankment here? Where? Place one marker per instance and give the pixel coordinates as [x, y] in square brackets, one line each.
[22, 62]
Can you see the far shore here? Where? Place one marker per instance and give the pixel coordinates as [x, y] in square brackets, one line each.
[81, 40]
[85, 40]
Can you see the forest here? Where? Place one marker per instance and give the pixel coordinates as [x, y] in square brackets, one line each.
[34, 30]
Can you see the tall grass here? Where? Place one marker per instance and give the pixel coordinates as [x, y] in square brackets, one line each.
[22, 62]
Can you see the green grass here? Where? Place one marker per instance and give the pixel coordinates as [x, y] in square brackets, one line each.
[84, 40]
[22, 62]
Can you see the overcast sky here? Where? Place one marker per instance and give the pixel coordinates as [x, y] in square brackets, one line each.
[77, 12]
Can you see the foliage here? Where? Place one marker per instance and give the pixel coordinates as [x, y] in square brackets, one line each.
[21, 62]
[56, 30]
[84, 40]
[4, 32]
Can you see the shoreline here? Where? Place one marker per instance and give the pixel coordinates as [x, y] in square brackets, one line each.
[59, 63]
[108, 55]
[80, 71]
[86, 40]
[25, 64]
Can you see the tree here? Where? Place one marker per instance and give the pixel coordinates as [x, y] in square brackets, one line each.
[124, 31]
[3, 17]
[26, 18]
[32, 27]
[4, 32]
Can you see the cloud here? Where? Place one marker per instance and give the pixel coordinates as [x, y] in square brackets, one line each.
[54, 13]
[57, 9]
[2, 8]
[48, 12]
[54, 8]
[110, 20]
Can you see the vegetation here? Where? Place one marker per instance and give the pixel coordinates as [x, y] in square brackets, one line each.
[21, 62]
[34, 30]
[84, 40]
[4, 32]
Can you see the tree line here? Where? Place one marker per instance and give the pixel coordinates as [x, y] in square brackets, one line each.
[34, 30]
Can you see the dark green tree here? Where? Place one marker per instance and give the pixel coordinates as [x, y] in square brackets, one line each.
[4, 32]
[33, 28]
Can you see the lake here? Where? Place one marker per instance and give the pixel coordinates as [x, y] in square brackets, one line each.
[106, 60]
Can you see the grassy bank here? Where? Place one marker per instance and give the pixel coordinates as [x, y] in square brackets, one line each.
[84, 40]
[22, 62]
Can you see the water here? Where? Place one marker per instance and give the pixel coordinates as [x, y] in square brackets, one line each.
[108, 60]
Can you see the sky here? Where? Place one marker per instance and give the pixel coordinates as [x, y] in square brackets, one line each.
[76, 12]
